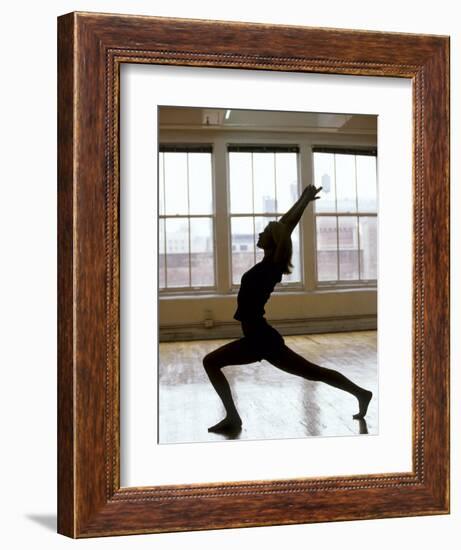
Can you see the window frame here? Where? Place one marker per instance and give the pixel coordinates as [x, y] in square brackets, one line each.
[341, 283]
[187, 147]
[270, 147]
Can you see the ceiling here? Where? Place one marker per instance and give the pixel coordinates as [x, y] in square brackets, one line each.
[195, 118]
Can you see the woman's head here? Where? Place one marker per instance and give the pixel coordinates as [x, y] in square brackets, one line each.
[276, 242]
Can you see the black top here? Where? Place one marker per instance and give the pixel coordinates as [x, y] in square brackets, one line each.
[255, 288]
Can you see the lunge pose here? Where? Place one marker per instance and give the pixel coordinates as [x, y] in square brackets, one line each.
[261, 340]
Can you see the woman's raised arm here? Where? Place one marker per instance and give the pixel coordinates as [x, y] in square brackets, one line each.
[292, 217]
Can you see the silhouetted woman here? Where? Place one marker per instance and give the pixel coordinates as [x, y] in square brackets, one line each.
[261, 340]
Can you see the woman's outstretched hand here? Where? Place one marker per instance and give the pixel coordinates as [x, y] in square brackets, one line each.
[310, 192]
[292, 217]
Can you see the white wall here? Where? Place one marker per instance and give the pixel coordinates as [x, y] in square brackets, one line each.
[28, 287]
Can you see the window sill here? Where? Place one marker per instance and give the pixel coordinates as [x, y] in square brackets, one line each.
[293, 291]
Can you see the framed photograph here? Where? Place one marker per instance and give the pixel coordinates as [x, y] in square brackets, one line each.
[253, 252]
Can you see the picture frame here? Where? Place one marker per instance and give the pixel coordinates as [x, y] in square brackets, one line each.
[91, 49]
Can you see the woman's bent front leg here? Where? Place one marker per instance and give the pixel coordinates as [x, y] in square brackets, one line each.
[233, 353]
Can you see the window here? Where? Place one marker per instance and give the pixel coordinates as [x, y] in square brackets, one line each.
[258, 184]
[263, 184]
[346, 216]
[186, 221]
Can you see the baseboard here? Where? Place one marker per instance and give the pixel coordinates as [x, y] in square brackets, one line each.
[222, 330]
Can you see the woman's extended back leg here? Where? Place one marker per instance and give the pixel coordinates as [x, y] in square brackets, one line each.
[293, 363]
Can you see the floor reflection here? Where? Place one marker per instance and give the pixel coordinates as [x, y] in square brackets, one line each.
[272, 404]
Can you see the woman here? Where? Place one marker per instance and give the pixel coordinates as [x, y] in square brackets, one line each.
[261, 341]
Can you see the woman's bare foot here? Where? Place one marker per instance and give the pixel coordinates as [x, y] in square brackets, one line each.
[364, 399]
[228, 424]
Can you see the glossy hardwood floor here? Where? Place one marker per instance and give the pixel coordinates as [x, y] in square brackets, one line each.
[272, 404]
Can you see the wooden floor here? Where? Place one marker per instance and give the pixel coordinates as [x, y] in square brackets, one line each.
[272, 404]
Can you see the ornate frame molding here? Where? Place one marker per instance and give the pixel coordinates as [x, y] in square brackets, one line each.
[91, 49]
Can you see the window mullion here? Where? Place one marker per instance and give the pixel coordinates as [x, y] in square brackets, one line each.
[253, 205]
[164, 225]
[307, 229]
[188, 221]
[222, 216]
[337, 221]
[358, 219]
[165, 252]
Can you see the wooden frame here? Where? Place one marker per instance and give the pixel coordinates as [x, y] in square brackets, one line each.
[91, 49]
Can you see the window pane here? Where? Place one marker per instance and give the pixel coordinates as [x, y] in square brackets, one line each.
[368, 247]
[345, 183]
[348, 248]
[327, 246]
[200, 193]
[366, 183]
[175, 183]
[161, 185]
[260, 225]
[286, 174]
[324, 176]
[161, 253]
[201, 245]
[177, 249]
[243, 246]
[241, 186]
[264, 182]
[295, 275]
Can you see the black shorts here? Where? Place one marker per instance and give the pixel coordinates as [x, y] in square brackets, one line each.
[261, 339]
